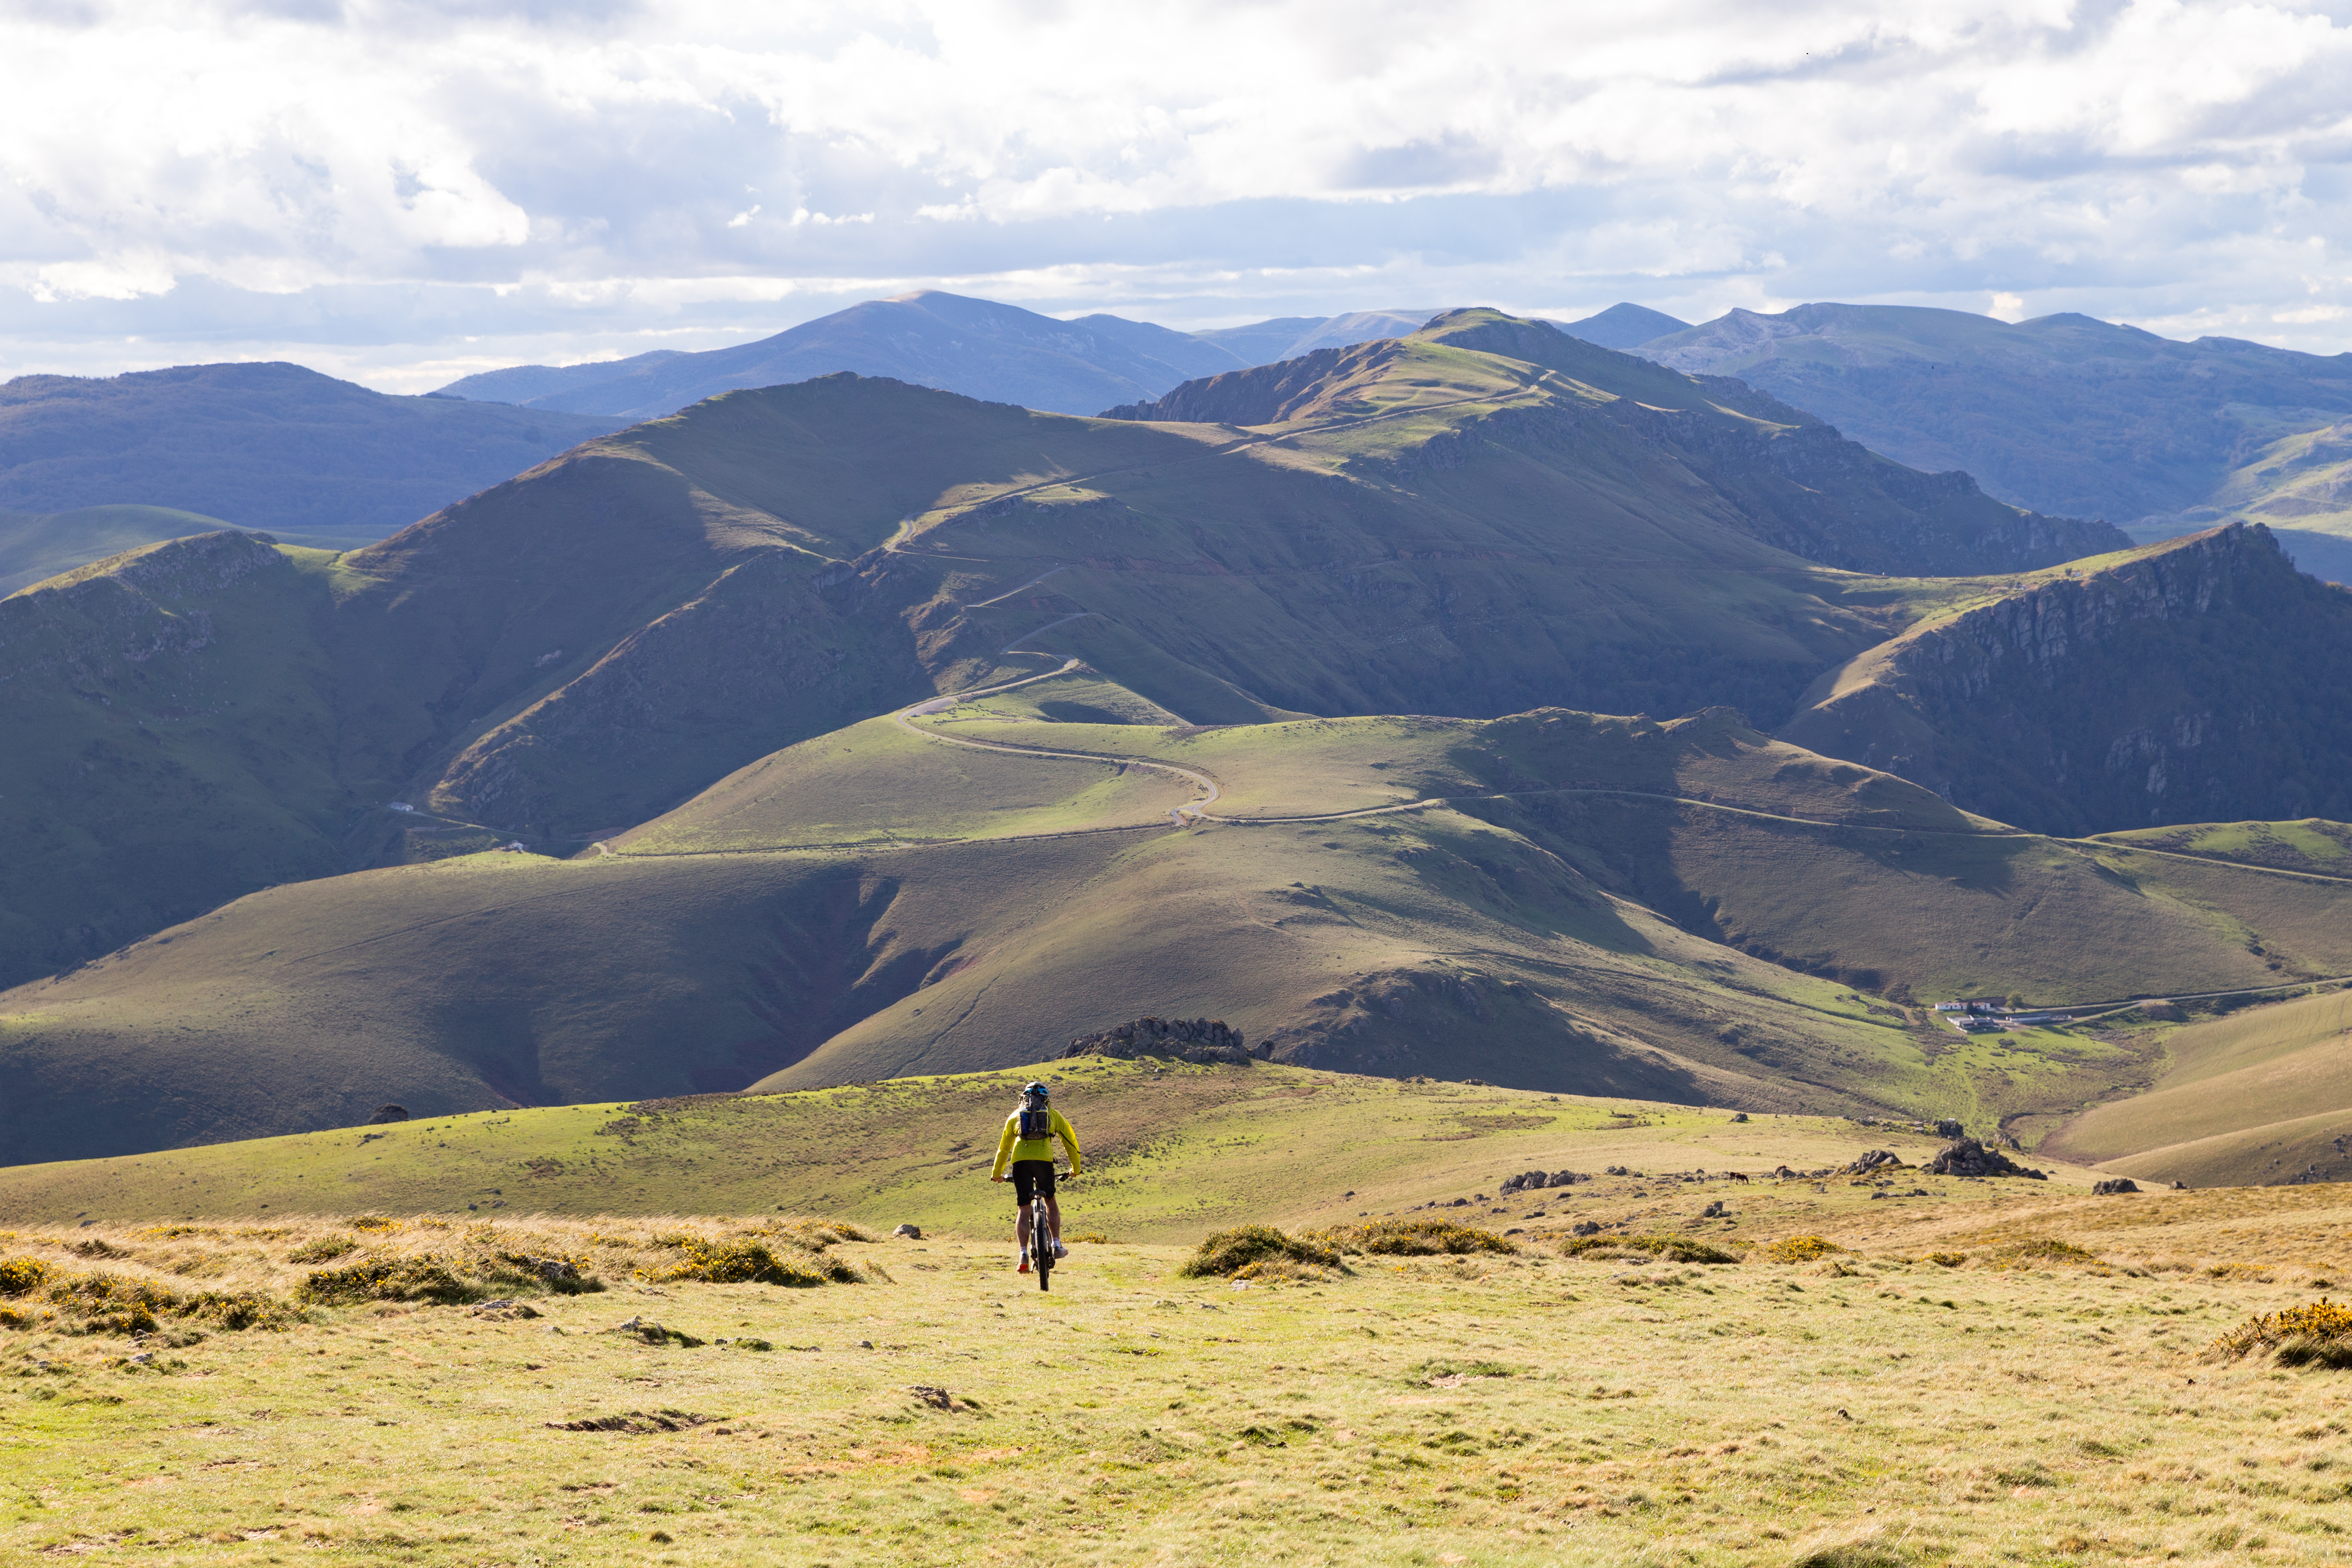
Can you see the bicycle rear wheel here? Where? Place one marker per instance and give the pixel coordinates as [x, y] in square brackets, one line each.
[1040, 1248]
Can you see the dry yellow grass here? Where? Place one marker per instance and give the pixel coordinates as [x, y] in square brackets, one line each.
[1490, 1408]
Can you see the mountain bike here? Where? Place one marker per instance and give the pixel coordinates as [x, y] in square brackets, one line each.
[1041, 1240]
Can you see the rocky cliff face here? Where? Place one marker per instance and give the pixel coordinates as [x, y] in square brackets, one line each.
[2204, 680]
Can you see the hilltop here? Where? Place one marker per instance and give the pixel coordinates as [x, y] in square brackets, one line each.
[269, 446]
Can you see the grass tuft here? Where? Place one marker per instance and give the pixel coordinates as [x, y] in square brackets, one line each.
[1669, 1249]
[1413, 1238]
[1252, 1246]
[2041, 1250]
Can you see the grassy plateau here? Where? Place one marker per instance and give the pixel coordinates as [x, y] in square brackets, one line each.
[1750, 1357]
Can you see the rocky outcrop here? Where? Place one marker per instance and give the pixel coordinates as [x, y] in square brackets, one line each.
[83, 627]
[1966, 1157]
[2202, 681]
[1530, 1181]
[1200, 1040]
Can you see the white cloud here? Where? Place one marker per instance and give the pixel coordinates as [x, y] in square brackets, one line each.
[213, 178]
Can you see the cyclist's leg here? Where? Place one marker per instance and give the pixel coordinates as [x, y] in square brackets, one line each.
[1024, 1188]
[1054, 1215]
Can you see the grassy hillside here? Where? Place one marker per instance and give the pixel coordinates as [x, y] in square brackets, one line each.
[583, 647]
[270, 446]
[2295, 484]
[2258, 1095]
[1172, 1152]
[2063, 413]
[1688, 912]
[2197, 680]
[165, 714]
[2313, 845]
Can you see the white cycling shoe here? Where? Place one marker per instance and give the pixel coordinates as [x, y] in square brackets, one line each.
[1059, 1250]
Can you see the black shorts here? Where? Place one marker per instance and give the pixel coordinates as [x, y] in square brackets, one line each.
[1030, 1177]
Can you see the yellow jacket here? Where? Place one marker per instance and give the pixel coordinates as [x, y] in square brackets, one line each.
[1011, 1146]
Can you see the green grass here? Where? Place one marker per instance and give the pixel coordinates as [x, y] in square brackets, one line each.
[876, 783]
[1171, 1151]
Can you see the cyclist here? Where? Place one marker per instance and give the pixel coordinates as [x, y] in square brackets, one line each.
[1027, 1143]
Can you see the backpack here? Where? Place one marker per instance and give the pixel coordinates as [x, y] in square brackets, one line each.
[1035, 1124]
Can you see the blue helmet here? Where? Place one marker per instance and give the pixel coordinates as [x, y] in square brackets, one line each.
[1034, 1090]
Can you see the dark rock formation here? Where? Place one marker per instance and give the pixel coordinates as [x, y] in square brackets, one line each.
[389, 1113]
[1186, 1039]
[1966, 1157]
[1876, 1160]
[1528, 1181]
[2115, 1185]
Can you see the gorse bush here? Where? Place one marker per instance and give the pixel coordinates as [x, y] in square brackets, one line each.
[2318, 1331]
[385, 1278]
[1799, 1249]
[20, 1275]
[1230, 1251]
[748, 1262]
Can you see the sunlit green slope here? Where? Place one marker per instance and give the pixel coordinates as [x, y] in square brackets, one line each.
[1688, 912]
[2258, 1096]
[1170, 1153]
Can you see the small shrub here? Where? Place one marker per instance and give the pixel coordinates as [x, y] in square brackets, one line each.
[1853, 1554]
[1800, 1249]
[19, 1275]
[745, 1262]
[385, 1279]
[1947, 1259]
[376, 1221]
[2318, 1332]
[1230, 1251]
[109, 1304]
[1412, 1238]
[1430, 1371]
[564, 1276]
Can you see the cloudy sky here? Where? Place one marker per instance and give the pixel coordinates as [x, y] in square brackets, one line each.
[404, 191]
